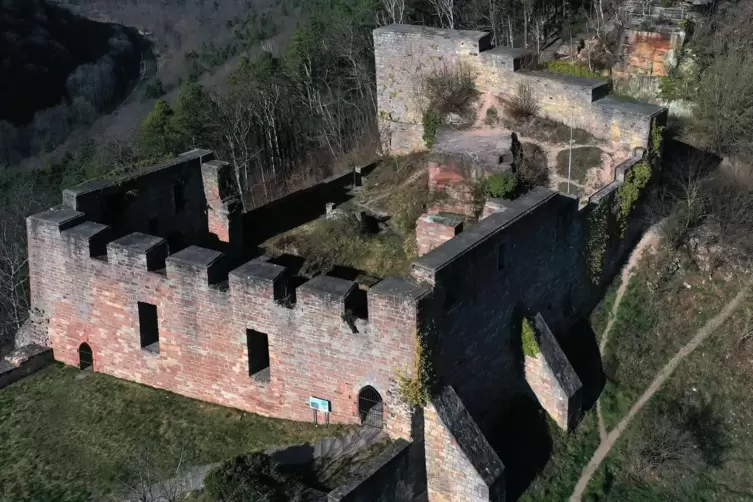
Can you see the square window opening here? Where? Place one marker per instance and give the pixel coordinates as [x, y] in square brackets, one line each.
[148, 327]
[179, 198]
[258, 355]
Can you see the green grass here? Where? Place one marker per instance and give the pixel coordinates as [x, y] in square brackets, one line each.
[569, 68]
[70, 439]
[706, 404]
[549, 131]
[584, 158]
[600, 315]
[708, 397]
[329, 243]
[570, 453]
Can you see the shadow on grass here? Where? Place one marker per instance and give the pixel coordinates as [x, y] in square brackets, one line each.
[523, 443]
[580, 346]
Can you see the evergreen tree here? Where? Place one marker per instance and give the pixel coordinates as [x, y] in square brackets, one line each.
[157, 137]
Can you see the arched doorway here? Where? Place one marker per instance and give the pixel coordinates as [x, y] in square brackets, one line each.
[370, 407]
[85, 357]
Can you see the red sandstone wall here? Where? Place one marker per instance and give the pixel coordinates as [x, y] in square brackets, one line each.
[450, 475]
[202, 348]
[544, 384]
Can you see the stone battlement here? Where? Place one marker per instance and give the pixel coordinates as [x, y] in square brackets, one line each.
[90, 246]
[405, 54]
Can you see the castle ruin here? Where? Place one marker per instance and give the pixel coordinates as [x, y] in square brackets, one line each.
[156, 278]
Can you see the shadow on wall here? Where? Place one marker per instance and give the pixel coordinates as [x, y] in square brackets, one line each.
[523, 443]
[298, 208]
[521, 437]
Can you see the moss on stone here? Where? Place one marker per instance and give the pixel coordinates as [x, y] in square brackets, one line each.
[528, 338]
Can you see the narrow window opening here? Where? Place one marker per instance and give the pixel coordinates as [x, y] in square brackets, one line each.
[153, 226]
[501, 257]
[148, 327]
[178, 198]
[258, 355]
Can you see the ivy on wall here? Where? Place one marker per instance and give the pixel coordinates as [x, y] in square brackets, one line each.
[630, 191]
[431, 121]
[597, 231]
[528, 338]
[416, 390]
[638, 177]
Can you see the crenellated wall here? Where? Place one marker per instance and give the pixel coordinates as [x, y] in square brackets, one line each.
[89, 286]
[405, 54]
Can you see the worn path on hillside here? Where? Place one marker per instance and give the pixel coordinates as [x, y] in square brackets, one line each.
[606, 444]
[649, 241]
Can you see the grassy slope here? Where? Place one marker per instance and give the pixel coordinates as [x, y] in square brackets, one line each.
[708, 398]
[74, 439]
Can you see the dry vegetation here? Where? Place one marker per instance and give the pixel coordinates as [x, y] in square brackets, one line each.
[583, 159]
[373, 233]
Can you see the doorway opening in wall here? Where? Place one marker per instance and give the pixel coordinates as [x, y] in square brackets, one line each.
[85, 357]
[370, 407]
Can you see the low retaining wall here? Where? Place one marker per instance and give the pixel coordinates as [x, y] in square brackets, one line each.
[386, 478]
[22, 362]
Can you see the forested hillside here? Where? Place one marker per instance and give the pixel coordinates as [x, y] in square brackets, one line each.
[59, 71]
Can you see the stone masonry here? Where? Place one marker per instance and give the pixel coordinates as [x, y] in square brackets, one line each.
[432, 230]
[462, 467]
[552, 378]
[405, 54]
[154, 278]
[89, 281]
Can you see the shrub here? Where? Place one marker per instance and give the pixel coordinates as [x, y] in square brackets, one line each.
[532, 168]
[417, 390]
[575, 69]
[492, 116]
[502, 185]
[523, 104]
[431, 122]
[663, 448]
[451, 89]
[249, 478]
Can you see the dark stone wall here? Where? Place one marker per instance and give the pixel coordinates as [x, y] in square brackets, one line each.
[387, 477]
[22, 362]
[296, 208]
[531, 257]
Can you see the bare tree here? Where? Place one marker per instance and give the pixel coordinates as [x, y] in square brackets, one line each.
[234, 121]
[394, 11]
[151, 485]
[23, 199]
[445, 10]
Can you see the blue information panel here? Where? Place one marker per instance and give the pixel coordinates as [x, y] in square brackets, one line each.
[319, 404]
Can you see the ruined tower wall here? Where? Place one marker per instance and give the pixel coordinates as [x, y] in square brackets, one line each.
[406, 54]
[89, 286]
[166, 200]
